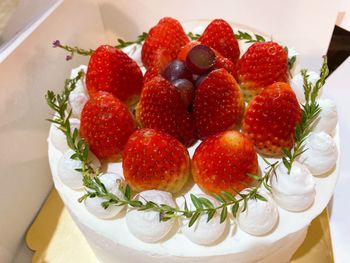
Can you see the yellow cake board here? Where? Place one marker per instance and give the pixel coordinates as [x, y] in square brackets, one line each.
[55, 238]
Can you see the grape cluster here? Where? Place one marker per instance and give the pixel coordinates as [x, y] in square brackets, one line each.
[188, 75]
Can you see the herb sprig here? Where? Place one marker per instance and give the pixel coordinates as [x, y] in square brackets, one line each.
[229, 203]
[140, 38]
[59, 103]
[310, 112]
[88, 52]
[249, 38]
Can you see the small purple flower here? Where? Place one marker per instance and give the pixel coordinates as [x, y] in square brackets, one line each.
[69, 57]
[56, 43]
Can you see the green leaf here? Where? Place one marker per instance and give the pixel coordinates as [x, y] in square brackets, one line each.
[127, 192]
[211, 214]
[206, 202]
[86, 152]
[259, 38]
[260, 197]
[254, 177]
[228, 196]
[196, 202]
[219, 198]
[194, 218]
[223, 214]
[234, 209]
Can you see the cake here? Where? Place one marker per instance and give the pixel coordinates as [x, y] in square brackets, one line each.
[268, 225]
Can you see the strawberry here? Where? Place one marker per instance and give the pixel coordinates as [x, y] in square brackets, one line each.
[161, 108]
[221, 62]
[162, 59]
[271, 118]
[111, 70]
[263, 64]
[218, 105]
[106, 125]
[220, 36]
[168, 34]
[222, 162]
[155, 160]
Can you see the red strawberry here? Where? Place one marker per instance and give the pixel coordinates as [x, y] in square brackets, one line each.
[106, 125]
[220, 36]
[221, 62]
[111, 70]
[271, 118]
[167, 34]
[162, 59]
[222, 162]
[155, 160]
[264, 63]
[218, 105]
[161, 108]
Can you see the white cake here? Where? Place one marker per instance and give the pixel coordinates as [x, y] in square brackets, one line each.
[112, 241]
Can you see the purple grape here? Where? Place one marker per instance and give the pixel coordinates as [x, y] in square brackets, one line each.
[200, 79]
[177, 70]
[186, 89]
[200, 59]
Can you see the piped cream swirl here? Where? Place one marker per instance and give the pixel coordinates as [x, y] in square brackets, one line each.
[321, 153]
[295, 191]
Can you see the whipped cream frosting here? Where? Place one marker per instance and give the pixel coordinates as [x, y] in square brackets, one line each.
[79, 96]
[145, 225]
[59, 139]
[328, 118]
[203, 232]
[111, 239]
[321, 154]
[93, 205]
[294, 191]
[297, 84]
[66, 169]
[260, 217]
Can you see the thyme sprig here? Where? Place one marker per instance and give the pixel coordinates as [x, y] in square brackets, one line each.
[310, 112]
[249, 38]
[139, 40]
[229, 203]
[72, 50]
[88, 52]
[59, 103]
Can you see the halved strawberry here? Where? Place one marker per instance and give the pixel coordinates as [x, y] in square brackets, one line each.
[218, 105]
[162, 108]
[271, 118]
[168, 34]
[222, 163]
[221, 61]
[106, 125]
[111, 70]
[220, 36]
[263, 64]
[155, 160]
